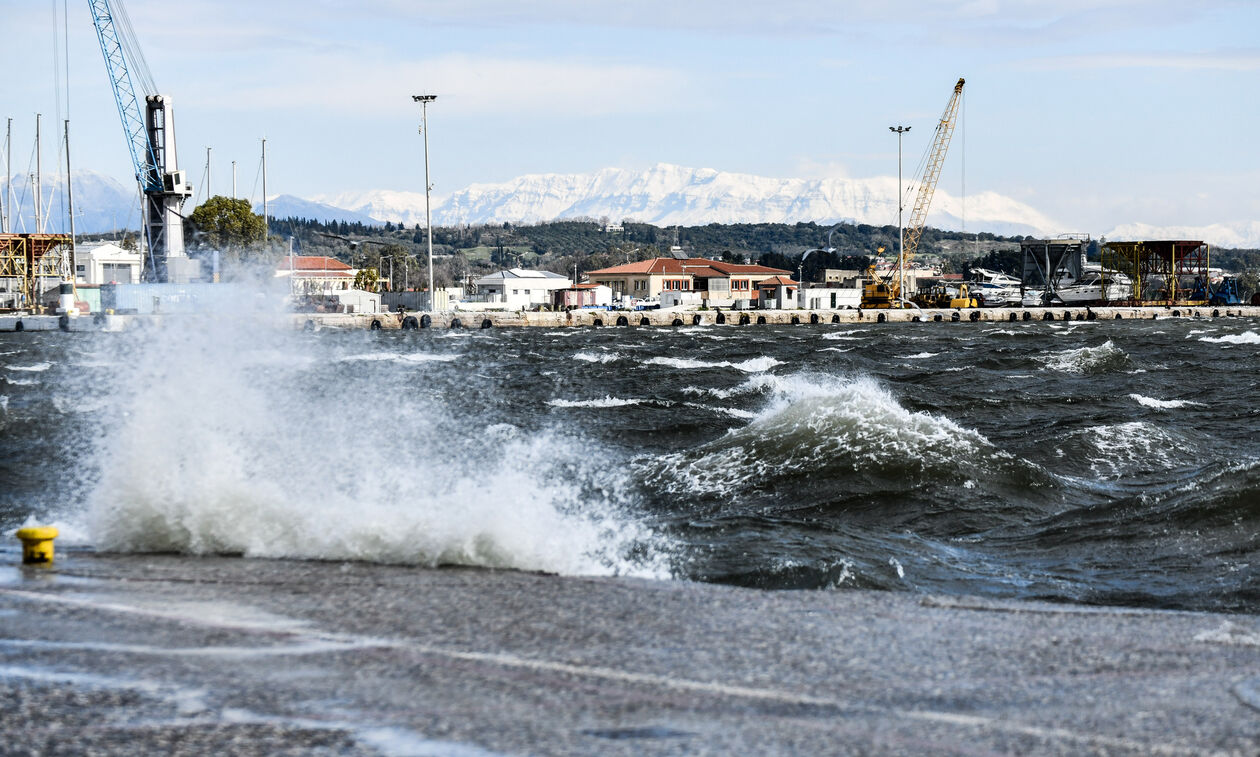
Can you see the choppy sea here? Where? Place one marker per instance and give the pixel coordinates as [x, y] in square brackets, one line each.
[1086, 462]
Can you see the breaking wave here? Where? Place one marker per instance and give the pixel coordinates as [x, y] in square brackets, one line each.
[591, 357]
[605, 402]
[840, 433]
[210, 453]
[1125, 449]
[1104, 358]
[1162, 404]
[399, 357]
[1247, 337]
[752, 365]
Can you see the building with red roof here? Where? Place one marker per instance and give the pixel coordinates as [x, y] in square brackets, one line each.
[317, 276]
[717, 282]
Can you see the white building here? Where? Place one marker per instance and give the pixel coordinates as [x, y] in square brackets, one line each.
[106, 263]
[517, 289]
[327, 278]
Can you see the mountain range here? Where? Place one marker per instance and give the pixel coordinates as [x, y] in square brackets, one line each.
[663, 195]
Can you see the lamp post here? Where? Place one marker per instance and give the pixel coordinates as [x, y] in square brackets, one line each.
[901, 239]
[424, 101]
[800, 277]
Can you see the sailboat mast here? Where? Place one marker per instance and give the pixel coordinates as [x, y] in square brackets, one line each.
[70, 204]
[209, 176]
[266, 229]
[39, 226]
[6, 208]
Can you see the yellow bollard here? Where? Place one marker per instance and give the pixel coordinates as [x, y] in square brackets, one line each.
[37, 544]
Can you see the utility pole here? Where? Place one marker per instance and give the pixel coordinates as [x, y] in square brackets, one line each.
[901, 238]
[209, 181]
[234, 180]
[424, 101]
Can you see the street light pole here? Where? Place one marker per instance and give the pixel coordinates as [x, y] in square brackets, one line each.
[424, 101]
[901, 237]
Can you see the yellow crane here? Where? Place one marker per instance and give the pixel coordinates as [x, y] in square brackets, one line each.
[886, 292]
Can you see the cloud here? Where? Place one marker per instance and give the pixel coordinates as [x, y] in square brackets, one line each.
[1244, 60]
[505, 87]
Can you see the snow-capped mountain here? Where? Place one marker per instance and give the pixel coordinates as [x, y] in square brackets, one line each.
[1234, 234]
[384, 205]
[663, 195]
[101, 204]
[666, 195]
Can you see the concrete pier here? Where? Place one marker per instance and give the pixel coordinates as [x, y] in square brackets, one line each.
[150, 654]
[646, 318]
[670, 318]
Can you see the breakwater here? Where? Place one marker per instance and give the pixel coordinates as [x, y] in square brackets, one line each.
[654, 318]
[599, 318]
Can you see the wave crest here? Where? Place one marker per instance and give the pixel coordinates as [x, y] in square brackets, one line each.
[1104, 358]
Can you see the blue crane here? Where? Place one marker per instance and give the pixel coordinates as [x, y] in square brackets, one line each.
[151, 140]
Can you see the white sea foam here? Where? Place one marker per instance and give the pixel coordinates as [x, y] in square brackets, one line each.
[33, 368]
[842, 335]
[922, 355]
[1086, 359]
[1121, 449]
[722, 394]
[734, 412]
[1162, 404]
[22, 381]
[1230, 633]
[597, 357]
[209, 454]
[1247, 337]
[605, 402]
[399, 357]
[752, 365]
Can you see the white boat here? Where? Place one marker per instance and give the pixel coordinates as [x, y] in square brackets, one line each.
[994, 288]
[1090, 288]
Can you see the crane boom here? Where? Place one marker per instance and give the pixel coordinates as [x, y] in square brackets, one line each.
[883, 292]
[142, 156]
[932, 171]
[151, 141]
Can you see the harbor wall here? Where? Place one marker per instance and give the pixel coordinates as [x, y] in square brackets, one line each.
[648, 318]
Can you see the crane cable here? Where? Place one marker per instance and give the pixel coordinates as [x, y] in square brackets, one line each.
[135, 56]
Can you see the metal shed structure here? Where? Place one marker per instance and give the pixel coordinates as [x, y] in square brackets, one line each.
[1164, 271]
[1049, 261]
[25, 260]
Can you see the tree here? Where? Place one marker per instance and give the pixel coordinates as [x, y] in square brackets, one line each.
[222, 222]
[366, 279]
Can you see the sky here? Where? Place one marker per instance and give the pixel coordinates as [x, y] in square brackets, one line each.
[1094, 112]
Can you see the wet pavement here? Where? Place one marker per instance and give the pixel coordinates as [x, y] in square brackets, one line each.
[182, 655]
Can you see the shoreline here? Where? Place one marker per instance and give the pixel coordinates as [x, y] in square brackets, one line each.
[654, 318]
[163, 652]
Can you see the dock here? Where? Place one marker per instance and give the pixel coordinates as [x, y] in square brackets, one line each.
[647, 318]
[147, 654]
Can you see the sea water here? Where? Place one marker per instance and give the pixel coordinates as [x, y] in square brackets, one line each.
[1114, 463]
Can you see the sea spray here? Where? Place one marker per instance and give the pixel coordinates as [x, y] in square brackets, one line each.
[228, 438]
